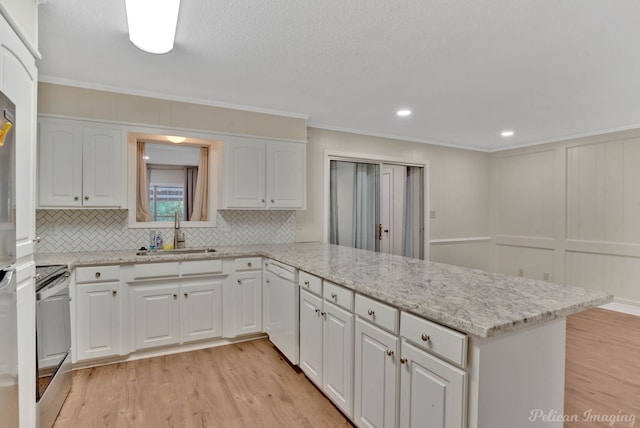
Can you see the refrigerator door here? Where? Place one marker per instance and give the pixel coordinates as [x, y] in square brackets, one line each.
[8, 351]
[7, 183]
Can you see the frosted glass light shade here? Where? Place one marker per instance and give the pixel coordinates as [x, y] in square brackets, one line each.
[152, 24]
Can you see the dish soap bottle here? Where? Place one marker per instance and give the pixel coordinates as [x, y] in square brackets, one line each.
[159, 242]
[152, 240]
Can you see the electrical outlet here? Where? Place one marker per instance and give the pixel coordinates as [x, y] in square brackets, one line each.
[520, 272]
[432, 214]
[545, 276]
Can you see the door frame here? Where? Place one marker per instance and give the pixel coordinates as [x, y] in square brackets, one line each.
[337, 155]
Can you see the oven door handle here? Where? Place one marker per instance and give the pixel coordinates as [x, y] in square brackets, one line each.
[53, 289]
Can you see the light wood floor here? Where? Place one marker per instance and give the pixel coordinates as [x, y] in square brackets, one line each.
[602, 367]
[243, 385]
[250, 384]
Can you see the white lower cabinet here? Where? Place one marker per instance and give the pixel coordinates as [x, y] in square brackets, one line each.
[177, 313]
[247, 294]
[157, 315]
[337, 357]
[311, 322]
[376, 377]
[98, 320]
[432, 392]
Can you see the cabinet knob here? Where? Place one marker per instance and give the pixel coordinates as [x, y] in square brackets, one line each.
[114, 292]
[268, 281]
[324, 314]
[249, 264]
[403, 361]
[37, 240]
[37, 277]
[306, 283]
[98, 275]
[390, 352]
[425, 337]
[317, 310]
[272, 201]
[75, 198]
[175, 296]
[263, 201]
[371, 312]
[239, 282]
[86, 198]
[186, 295]
[334, 296]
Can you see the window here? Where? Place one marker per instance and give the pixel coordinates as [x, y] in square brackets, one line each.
[164, 201]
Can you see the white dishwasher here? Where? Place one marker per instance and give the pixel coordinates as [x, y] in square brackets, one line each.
[281, 308]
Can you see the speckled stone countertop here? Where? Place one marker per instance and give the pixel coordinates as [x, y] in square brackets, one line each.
[471, 301]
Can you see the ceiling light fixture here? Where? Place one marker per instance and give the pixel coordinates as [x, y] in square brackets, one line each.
[176, 140]
[507, 133]
[152, 24]
[403, 113]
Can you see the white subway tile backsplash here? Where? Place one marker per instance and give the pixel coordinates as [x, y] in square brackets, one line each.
[105, 230]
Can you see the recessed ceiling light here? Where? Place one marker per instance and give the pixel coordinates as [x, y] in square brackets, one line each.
[152, 24]
[403, 113]
[507, 133]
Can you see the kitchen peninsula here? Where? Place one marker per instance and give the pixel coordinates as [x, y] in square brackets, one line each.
[513, 328]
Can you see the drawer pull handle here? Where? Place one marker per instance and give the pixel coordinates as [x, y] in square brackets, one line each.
[114, 293]
[249, 264]
[371, 312]
[425, 337]
[98, 274]
[403, 361]
[306, 283]
[390, 352]
[334, 296]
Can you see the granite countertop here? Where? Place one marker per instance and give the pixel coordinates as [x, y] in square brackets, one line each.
[469, 300]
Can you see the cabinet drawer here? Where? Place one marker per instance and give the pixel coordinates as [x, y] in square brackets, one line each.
[377, 313]
[155, 270]
[97, 274]
[439, 340]
[310, 282]
[248, 263]
[199, 267]
[339, 295]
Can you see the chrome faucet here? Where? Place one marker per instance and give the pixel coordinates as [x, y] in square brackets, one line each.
[178, 235]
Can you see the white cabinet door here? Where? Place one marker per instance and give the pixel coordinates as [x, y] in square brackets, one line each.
[247, 291]
[376, 377]
[60, 164]
[201, 309]
[285, 175]
[433, 393]
[97, 320]
[337, 357]
[102, 167]
[244, 174]
[311, 336]
[157, 316]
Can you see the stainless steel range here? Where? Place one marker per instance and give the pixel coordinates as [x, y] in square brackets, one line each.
[53, 341]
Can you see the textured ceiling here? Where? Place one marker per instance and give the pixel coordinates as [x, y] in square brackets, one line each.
[548, 69]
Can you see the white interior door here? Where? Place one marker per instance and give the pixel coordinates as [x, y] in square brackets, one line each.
[392, 206]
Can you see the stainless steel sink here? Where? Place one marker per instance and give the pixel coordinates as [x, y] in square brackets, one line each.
[175, 251]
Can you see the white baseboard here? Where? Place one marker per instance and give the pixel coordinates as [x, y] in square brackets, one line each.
[625, 306]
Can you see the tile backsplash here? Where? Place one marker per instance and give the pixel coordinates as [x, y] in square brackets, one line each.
[105, 230]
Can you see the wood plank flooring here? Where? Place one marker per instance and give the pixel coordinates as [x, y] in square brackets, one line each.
[243, 385]
[250, 385]
[602, 374]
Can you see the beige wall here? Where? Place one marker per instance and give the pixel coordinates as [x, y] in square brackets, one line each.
[570, 210]
[459, 190]
[24, 13]
[77, 102]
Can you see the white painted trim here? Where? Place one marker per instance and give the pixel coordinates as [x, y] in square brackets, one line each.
[163, 96]
[312, 124]
[624, 306]
[329, 155]
[470, 240]
[168, 350]
[18, 30]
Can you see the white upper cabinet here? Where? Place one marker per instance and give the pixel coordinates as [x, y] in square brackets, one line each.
[263, 174]
[80, 165]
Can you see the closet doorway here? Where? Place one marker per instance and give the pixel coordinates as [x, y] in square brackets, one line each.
[378, 205]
